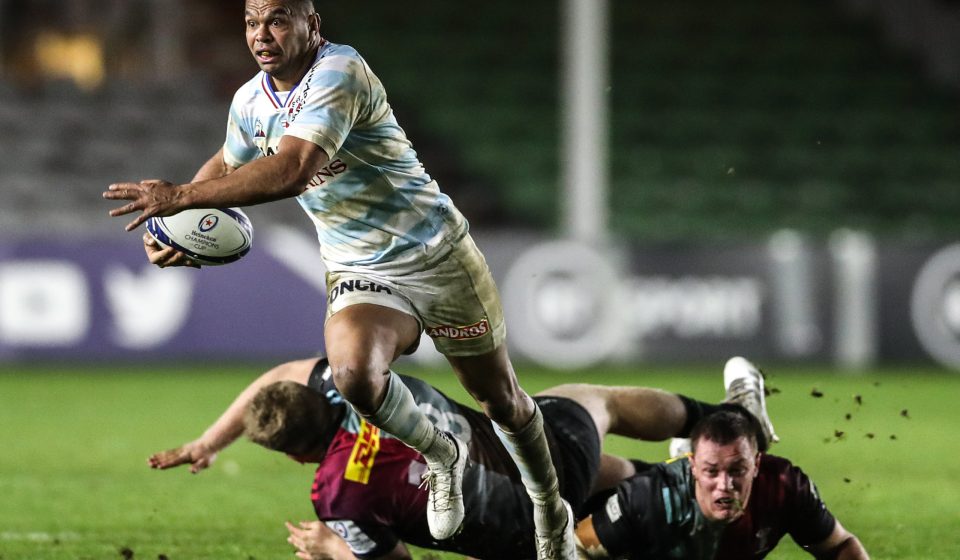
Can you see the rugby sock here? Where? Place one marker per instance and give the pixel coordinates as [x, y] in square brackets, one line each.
[529, 450]
[699, 409]
[400, 416]
[695, 411]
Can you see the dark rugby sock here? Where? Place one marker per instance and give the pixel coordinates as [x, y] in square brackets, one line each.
[695, 411]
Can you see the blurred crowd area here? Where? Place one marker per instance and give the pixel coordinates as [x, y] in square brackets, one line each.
[728, 119]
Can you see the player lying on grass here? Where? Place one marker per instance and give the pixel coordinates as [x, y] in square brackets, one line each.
[725, 500]
[366, 486]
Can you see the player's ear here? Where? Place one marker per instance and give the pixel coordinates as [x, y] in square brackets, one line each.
[756, 465]
[315, 22]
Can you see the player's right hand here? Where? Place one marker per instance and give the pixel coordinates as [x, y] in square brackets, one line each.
[165, 256]
[196, 454]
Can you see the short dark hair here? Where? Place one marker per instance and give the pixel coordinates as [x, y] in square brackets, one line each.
[288, 417]
[726, 426]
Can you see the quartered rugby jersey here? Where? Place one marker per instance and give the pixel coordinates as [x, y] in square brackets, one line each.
[368, 486]
[374, 205]
[654, 515]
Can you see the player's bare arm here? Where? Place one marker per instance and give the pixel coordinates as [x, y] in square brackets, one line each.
[282, 175]
[213, 168]
[840, 545]
[200, 453]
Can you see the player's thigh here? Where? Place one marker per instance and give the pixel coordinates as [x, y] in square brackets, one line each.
[458, 302]
[595, 399]
[369, 322]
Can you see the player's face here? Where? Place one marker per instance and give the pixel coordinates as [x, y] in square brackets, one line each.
[724, 477]
[281, 38]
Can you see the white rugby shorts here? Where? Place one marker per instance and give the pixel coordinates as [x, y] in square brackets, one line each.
[456, 301]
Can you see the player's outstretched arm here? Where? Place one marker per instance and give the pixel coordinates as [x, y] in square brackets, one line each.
[282, 175]
[840, 545]
[315, 541]
[200, 453]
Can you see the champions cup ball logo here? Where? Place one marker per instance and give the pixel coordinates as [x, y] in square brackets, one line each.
[208, 222]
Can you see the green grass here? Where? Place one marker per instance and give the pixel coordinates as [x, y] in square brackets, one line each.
[74, 442]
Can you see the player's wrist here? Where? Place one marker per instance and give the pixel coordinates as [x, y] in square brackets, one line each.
[185, 197]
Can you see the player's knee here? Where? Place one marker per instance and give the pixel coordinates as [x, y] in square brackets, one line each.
[360, 384]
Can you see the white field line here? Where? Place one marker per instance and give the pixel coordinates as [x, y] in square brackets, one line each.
[38, 536]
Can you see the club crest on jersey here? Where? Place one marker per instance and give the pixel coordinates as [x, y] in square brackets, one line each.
[364, 453]
[208, 222]
[475, 330]
[260, 137]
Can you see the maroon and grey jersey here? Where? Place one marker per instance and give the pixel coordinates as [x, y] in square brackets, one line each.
[654, 515]
[367, 488]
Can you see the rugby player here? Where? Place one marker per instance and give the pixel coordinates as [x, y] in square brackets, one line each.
[315, 125]
[366, 487]
[725, 501]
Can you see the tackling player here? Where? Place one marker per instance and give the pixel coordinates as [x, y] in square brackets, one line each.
[315, 124]
[367, 489]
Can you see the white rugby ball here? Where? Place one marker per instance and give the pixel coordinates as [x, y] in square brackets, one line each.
[209, 236]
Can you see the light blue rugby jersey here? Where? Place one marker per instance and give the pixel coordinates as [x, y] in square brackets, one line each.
[374, 205]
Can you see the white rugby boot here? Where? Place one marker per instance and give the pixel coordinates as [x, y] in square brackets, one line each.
[743, 383]
[445, 498]
[560, 544]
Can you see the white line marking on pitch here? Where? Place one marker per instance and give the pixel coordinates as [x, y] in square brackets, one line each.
[37, 536]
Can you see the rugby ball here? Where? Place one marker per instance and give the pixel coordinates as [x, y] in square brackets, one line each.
[209, 236]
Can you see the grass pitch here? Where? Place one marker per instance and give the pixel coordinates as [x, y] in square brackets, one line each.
[74, 482]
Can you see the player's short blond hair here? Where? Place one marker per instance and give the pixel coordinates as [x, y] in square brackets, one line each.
[288, 417]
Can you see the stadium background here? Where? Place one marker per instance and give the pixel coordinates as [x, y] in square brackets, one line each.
[780, 181]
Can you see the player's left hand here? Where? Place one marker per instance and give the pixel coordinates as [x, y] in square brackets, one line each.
[315, 541]
[195, 453]
[153, 197]
[165, 256]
